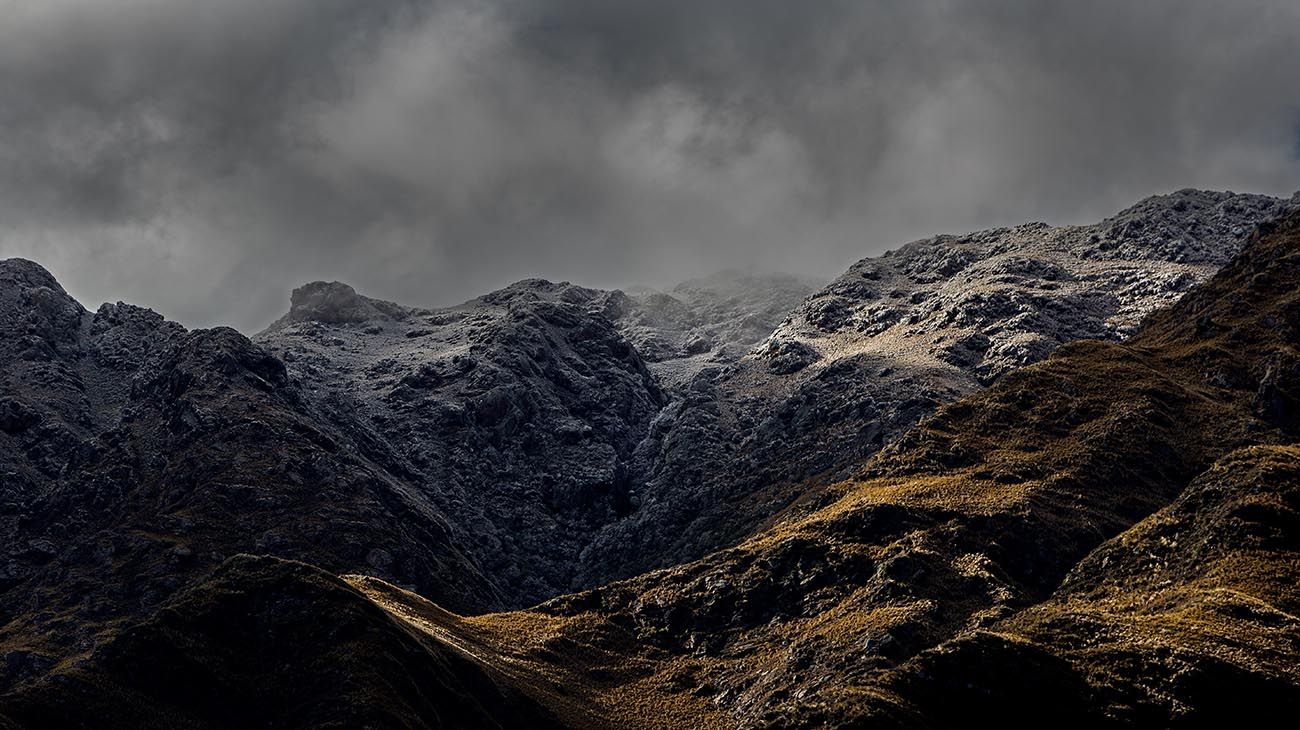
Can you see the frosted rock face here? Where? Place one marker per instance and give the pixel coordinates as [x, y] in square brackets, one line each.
[515, 414]
[706, 322]
[519, 413]
[987, 302]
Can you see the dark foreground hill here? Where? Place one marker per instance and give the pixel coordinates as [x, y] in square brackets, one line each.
[1108, 538]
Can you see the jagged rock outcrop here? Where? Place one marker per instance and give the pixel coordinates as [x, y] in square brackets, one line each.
[337, 303]
[518, 413]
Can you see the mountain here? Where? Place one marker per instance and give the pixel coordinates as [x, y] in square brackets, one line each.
[135, 457]
[1105, 538]
[513, 413]
[517, 413]
[465, 453]
[861, 361]
[579, 436]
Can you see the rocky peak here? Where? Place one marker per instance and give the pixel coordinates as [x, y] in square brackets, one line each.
[27, 273]
[35, 310]
[330, 302]
[992, 301]
[336, 303]
[1193, 227]
[542, 290]
[214, 358]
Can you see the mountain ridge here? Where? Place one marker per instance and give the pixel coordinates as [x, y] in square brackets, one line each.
[1077, 538]
[862, 360]
[468, 454]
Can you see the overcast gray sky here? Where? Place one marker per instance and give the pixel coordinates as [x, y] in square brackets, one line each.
[203, 157]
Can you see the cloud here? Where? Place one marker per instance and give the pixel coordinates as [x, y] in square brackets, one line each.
[204, 158]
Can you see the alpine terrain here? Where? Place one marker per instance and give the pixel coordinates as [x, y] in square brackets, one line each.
[1031, 474]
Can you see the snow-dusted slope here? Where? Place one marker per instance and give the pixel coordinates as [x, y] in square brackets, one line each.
[518, 412]
[707, 321]
[513, 413]
[984, 303]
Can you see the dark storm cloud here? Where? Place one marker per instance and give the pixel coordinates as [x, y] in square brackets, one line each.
[204, 158]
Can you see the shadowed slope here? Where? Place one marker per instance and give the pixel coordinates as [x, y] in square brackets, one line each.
[135, 457]
[271, 643]
[1192, 615]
